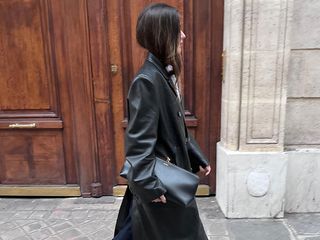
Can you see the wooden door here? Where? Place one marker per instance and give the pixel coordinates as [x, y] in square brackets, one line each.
[65, 69]
[201, 80]
[31, 139]
[47, 128]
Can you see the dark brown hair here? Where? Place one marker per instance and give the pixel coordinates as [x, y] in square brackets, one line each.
[158, 31]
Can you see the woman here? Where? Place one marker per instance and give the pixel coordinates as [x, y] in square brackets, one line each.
[156, 127]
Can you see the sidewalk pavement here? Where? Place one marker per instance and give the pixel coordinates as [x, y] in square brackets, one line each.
[94, 218]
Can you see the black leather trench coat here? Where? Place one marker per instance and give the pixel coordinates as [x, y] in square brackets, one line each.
[156, 127]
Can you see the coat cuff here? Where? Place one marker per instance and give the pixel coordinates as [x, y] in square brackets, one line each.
[197, 157]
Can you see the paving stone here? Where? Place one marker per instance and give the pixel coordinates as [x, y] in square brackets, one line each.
[98, 214]
[304, 223]
[94, 218]
[79, 214]
[3, 206]
[70, 234]
[212, 213]
[218, 238]
[47, 204]
[61, 227]
[77, 222]
[40, 214]
[13, 234]
[23, 205]
[102, 200]
[21, 214]
[34, 226]
[209, 208]
[59, 214]
[51, 222]
[23, 238]
[83, 238]
[257, 230]
[24, 222]
[7, 226]
[42, 234]
[111, 216]
[4, 215]
[9, 200]
[92, 226]
[214, 227]
[102, 235]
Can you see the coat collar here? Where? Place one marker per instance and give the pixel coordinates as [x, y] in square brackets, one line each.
[159, 65]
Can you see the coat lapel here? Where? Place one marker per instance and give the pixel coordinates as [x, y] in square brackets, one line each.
[155, 61]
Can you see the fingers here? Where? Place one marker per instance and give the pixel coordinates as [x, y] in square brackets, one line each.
[205, 170]
[162, 199]
[208, 170]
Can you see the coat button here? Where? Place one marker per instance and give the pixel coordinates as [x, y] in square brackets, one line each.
[179, 114]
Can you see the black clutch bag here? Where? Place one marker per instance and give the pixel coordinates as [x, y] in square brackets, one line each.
[181, 185]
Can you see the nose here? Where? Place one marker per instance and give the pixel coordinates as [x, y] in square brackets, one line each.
[183, 36]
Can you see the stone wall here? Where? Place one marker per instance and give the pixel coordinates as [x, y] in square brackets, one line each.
[251, 163]
[302, 127]
[303, 100]
[268, 160]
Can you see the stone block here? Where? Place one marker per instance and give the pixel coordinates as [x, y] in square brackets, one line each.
[251, 184]
[304, 71]
[260, 115]
[302, 122]
[264, 20]
[306, 24]
[303, 181]
[230, 100]
[233, 25]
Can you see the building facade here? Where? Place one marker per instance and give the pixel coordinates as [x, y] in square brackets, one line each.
[66, 66]
[268, 159]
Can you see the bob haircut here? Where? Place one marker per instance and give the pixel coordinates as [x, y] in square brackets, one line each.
[158, 31]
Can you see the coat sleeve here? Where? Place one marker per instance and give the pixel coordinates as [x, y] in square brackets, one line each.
[197, 157]
[141, 137]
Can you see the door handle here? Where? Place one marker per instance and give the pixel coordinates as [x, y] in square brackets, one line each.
[114, 68]
[22, 125]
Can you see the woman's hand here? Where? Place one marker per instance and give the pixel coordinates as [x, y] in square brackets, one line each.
[206, 170]
[162, 199]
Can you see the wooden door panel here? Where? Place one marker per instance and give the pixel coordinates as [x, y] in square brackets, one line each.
[22, 65]
[31, 126]
[31, 158]
[27, 84]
